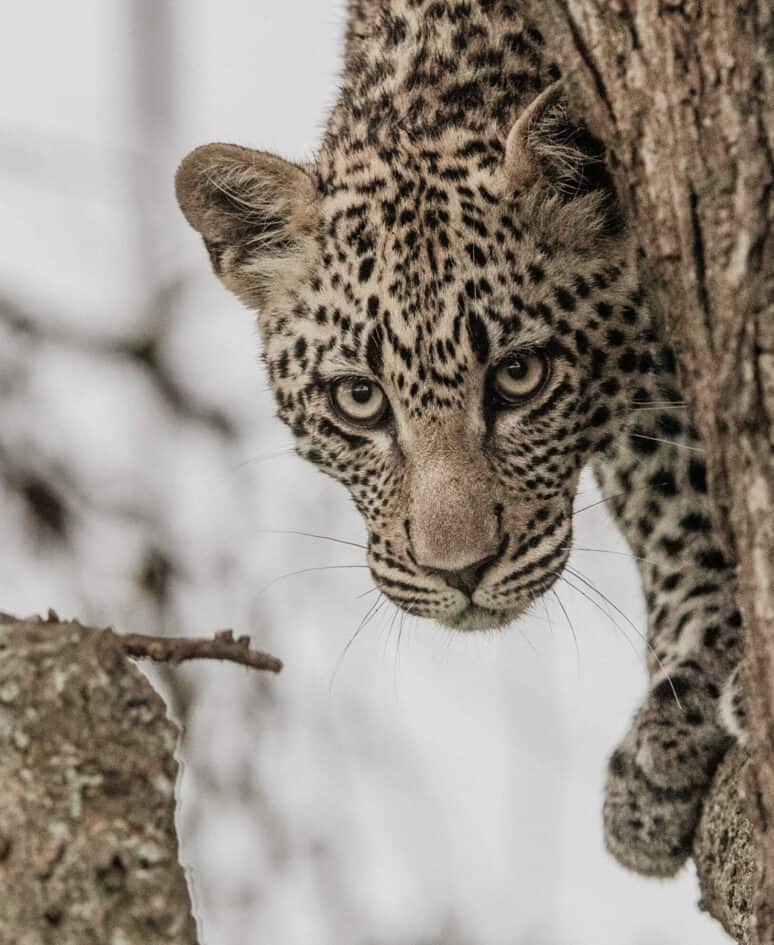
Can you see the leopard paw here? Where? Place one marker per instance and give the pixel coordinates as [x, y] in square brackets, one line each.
[678, 741]
[648, 829]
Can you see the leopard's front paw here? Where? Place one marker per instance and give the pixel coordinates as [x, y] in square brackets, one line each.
[676, 734]
[648, 829]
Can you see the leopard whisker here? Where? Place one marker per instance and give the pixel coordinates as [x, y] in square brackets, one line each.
[640, 634]
[390, 628]
[264, 458]
[609, 498]
[659, 405]
[658, 439]
[523, 634]
[602, 610]
[294, 531]
[612, 551]
[372, 611]
[396, 660]
[614, 495]
[569, 623]
[548, 613]
[590, 584]
[326, 567]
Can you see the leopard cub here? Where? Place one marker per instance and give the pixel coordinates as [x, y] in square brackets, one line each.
[454, 326]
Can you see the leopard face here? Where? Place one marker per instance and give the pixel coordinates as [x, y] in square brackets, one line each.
[448, 336]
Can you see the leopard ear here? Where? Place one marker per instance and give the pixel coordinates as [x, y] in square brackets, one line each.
[547, 148]
[256, 212]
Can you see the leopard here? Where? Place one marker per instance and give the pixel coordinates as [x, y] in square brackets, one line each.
[455, 319]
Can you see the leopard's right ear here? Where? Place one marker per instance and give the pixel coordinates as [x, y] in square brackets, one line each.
[257, 213]
[556, 155]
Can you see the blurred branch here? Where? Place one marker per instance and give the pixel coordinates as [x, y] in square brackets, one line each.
[145, 350]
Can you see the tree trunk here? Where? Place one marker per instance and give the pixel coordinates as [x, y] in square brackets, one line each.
[88, 849]
[681, 91]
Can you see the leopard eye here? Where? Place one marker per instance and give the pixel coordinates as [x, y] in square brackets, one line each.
[359, 400]
[520, 377]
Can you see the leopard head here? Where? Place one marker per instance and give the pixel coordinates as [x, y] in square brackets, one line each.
[451, 328]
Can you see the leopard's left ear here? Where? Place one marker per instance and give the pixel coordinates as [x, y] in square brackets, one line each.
[256, 212]
[547, 149]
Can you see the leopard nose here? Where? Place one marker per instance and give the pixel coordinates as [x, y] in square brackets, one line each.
[467, 579]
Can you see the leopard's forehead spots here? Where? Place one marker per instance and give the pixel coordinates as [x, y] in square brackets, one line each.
[426, 272]
[422, 282]
[432, 65]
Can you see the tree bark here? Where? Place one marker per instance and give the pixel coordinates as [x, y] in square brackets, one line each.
[681, 92]
[88, 849]
[726, 852]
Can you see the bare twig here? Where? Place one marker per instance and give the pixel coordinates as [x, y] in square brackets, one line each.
[179, 649]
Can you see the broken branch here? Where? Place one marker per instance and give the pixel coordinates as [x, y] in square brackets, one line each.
[180, 649]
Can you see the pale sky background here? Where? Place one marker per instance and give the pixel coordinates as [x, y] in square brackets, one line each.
[427, 789]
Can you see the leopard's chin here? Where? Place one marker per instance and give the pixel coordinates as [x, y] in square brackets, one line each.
[474, 618]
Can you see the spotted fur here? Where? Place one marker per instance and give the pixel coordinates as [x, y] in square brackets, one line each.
[457, 216]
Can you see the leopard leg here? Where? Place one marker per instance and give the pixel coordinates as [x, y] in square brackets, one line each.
[655, 478]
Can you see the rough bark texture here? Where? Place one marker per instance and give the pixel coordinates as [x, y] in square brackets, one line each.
[681, 91]
[88, 849]
[725, 850]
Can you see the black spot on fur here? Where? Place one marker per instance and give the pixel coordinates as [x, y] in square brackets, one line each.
[479, 337]
[565, 299]
[366, 268]
[712, 560]
[669, 688]
[663, 482]
[374, 356]
[477, 255]
[618, 764]
[694, 522]
[628, 361]
[697, 475]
